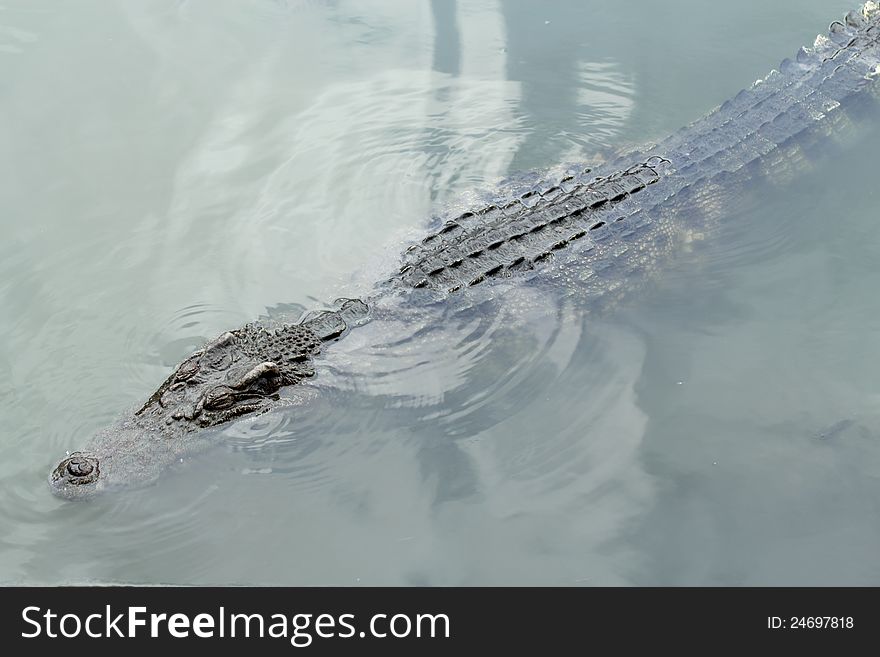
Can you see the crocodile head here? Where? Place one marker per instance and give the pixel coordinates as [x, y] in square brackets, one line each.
[134, 450]
[239, 373]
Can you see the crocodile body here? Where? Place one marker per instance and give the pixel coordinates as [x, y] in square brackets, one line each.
[592, 228]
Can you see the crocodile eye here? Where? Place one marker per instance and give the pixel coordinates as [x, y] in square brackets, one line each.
[219, 398]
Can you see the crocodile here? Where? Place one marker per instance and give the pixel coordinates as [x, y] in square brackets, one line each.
[589, 228]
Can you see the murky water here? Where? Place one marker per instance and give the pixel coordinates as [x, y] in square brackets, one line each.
[170, 170]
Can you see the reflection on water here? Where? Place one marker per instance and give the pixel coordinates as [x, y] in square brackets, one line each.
[197, 165]
[447, 46]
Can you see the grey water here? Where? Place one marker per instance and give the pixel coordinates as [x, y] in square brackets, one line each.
[173, 169]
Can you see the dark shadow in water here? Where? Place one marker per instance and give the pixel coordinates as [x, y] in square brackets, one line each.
[547, 48]
[548, 76]
[447, 60]
[447, 46]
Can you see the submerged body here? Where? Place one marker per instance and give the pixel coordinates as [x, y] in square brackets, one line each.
[593, 230]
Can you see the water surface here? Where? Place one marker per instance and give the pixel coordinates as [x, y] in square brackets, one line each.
[174, 169]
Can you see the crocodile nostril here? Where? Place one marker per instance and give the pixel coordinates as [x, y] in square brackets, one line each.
[76, 470]
[79, 467]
